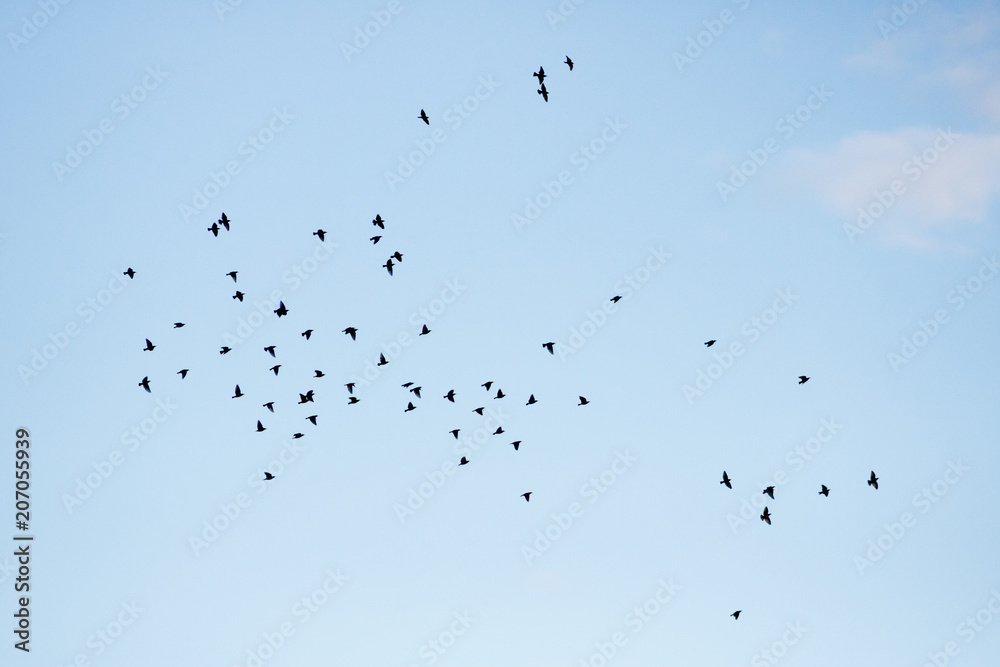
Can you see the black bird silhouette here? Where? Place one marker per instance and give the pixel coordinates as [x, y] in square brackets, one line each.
[463, 461]
[398, 256]
[527, 496]
[583, 401]
[238, 392]
[378, 221]
[183, 373]
[498, 431]
[312, 418]
[454, 432]
[149, 346]
[270, 349]
[375, 239]
[424, 331]
[239, 295]
[281, 310]
[487, 385]
[214, 228]
[616, 298]
[736, 614]
[381, 360]
[232, 274]
[410, 406]
[803, 379]
[516, 443]
[710, 343]
[224, 221]
[416, 390]
[306, 397]
[769, 491]
[479, 411]
[388, 265]
[321, 234]
[260, 427]
[351, 400]
[145, 383]
[824, 491]
[319, 374]
[350, 387]
[130, 273]
[178, 325]
[450, 395]
[296, 436]
[268, 476]
[766, 516]
[352, 332]
[544, 93]
[269, 405]
[873, 481]
[423, 117]
[540, 74]
[307, 333]
[531, 400]
[407, 384]
[224, 350]
[549, 346]
[727, 480]
[569, 62]
[500, 394]
[274, 369]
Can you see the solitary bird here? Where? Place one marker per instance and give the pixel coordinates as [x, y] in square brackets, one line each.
[268, 476]
[616, 298]
[424, 331]
[350, 387]
[296, 436]
[824, 491]
[803, 379]
[727, 480]
[540, 74]
[544, 93]
[549, 346]
[130, 273]
[224, 221]
[516, 443]
[307, 333]
[498, 431]
[487, 384]
[736, 614]
[416, 390]
[312, 418]
[569, 62]
[450, 395]
[527, 496]
[321, 234]
[531, 400]
[454, 432]
[145, 383]
[375, 239]
[583, 401]
[281, 310]
[214, 228]
[178, 325]
[274, 369]
[319, 374]
[398, 256]
[260, 427]
[352, 332]
[500, 394]
[269, 405]
[463, 461]
[270, 349]
[239, 295]
[381, 360]
[351, 400]
[238, 392]
[406, 384]
[149, 346]
[710, 343]
[410, 406]
[769, 491]
[766, 516]
[423, 117]
[224, 349]
[873, 481]
[183, 373]
[378, 221]
[388, 265]
[479, 411]
[232, 274]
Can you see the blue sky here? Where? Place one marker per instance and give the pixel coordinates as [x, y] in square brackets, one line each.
[813, 187]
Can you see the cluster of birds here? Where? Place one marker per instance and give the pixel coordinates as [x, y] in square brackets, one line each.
[377, 221]
[540, 75]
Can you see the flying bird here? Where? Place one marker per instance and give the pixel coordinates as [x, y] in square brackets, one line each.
[178, 325]
[540, 74]
[398, 256]
[269, 405]
[351, 400]
[423, 117]
[710, 343]
[531, 400]
[727, 480]
[352, 332]
[463, 461]
[224, 221]
[424, 331]
[270, 349]
[766, 516]
[549, 346]
[616, 298]
[281, 310]
[307, 333]
[487, 385]
[736, 614]
[214, 228]
[306, 397]
[769, 491]
[500, 394]
[130, 273]
[375, 239]
[274, 369]
[378, 221]
[516, 443]
[406, 384]
[410, 406]
[321, 234]
[149, 346]
[238, 392]
[873, 481]
[450, 395]
[312, 418]
[583, 401]
[527, 496]
[544, 93]
[498, 431]
[145, 383]
[803, 379]
[381, 360]
[296, 436]
[224, 349]
[479, 411]
[268, 476]
[232, 274]
[824, 491]
[183, 373]
[388, 265]
[454, 432]
[260, 427]
[416, 390]
[569, 62]
[319, 374]
[239, 295]
[350, 387]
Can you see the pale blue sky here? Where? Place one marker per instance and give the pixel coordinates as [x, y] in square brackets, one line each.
[707, 162]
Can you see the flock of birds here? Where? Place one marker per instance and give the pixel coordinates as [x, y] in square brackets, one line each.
[540, 75]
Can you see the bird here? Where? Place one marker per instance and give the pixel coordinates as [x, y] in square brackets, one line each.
[516, 443]
[145, 383]
[873, 481]
[498, 431]
[487, 384]
[281, 310]
[238, 392]
[463, 461]
[319, 374]
[296, 436]
[450, 395]
[406, 384]
[381, 360]
[224, 221]
[424, 331]
[769, 491]
[378, 221]
[824, 491]
[274, 369]
[307, 333]
[479, 411]
[260, 427]
[375, 239]
[710, 343]
[270, 349]
[454, 432]
[540, 74]
[149, 346]
[398, 256]
[531, 400]
[616, 298]
[350, 387]
[410, 406]
[527, 496]
[268, 476]
[583, 401]
[569, 62]
[351, 400]
[238, 295]
[269, 405]
[130, 273]
[214, 228]
[352, 332]
[736, 614]
[500, 394]
[224, 350]
[544, 93]
[727, 480]
[312, 418]
[423, 117]
[232, 274]
[803, 379]
[766, 516]
[416, 390]
[306, 397]
[549, 346]
[388, 265]
[178, 325]
[321, 234]
[183, 373]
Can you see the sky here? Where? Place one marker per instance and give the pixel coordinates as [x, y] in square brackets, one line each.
[813, 188]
